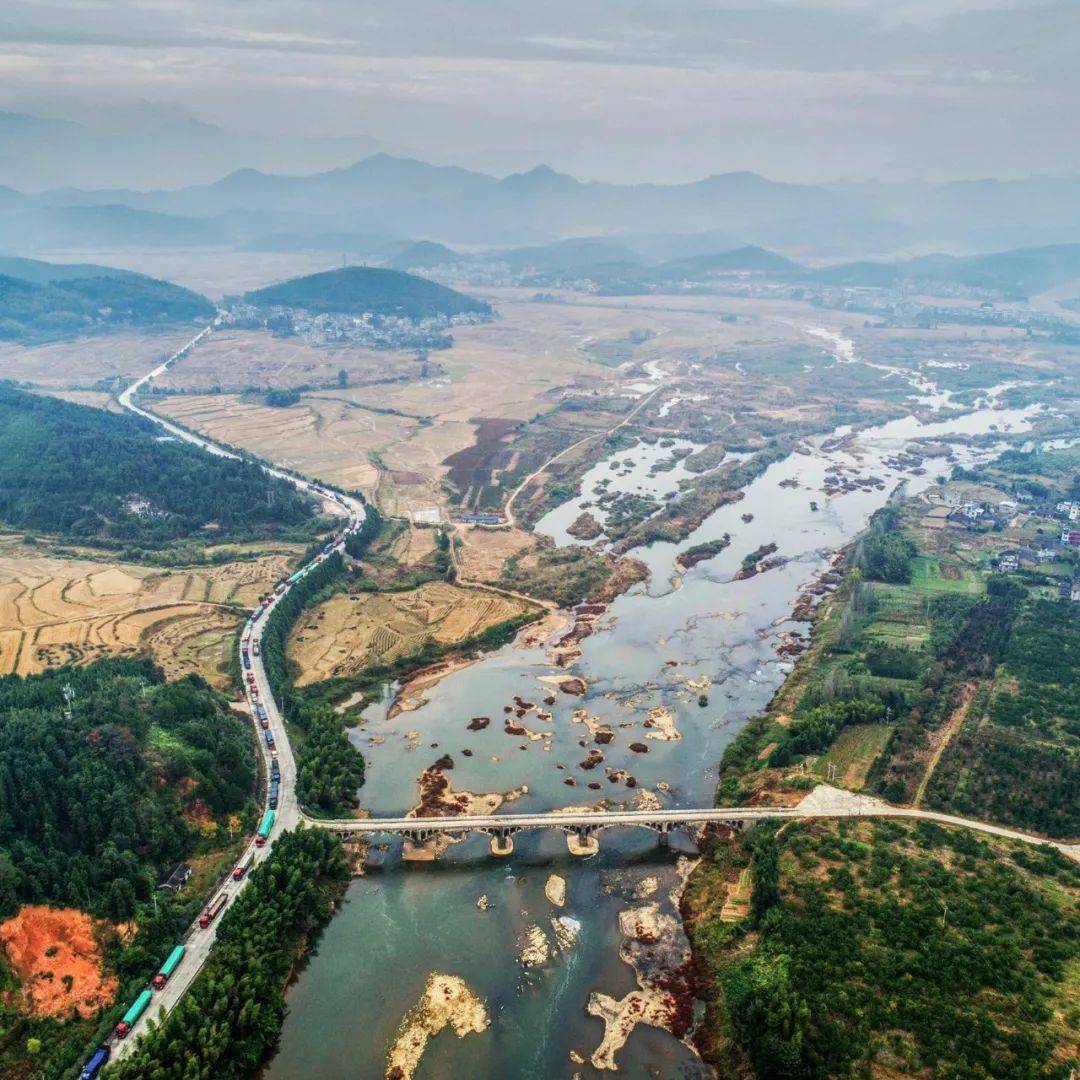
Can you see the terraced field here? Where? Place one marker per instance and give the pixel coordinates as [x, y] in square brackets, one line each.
[346, 632]
[56, 611]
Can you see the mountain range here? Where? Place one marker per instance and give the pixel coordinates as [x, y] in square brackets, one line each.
[383, 198]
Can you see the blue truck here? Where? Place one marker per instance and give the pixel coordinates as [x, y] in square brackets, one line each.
[94, 1066]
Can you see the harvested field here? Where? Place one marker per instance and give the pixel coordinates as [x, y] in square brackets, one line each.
[56, 955]
[55, 611]
[81, 364]
[347, 633]
[320, 436]
[237, 360]
[482, 553]
[513, 369]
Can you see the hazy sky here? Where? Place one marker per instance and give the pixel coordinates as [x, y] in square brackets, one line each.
[621, 89]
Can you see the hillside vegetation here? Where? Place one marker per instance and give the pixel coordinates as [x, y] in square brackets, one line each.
[356, 290]
[88, 474]
[109, 776]
[36, 307]
[888, 949]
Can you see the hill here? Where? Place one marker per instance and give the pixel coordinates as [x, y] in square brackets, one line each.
[41, 273]
[41, 301]
[356, 290]
[425, 253]
[84, 473]
[1017, 273]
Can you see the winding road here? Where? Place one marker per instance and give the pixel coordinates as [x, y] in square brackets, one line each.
[822, 802]
[199, 941]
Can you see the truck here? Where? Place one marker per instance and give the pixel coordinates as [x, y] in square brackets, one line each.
[131, 1017]
[247, 663]
[273, 798]
[275, 769]
[255, 648]
[270, 744]
[265, 723]
[243, 867]
[94, 1066]
[265, 828]
[171, 961]
[213, 909]
[257, 615]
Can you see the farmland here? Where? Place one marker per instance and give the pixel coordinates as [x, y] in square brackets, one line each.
[347, 633]
[89, 364]
[56, 610]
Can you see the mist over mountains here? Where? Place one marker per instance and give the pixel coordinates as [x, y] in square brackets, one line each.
[383, 198]
[151, 145]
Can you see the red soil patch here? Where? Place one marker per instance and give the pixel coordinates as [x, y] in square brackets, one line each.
[69, 980]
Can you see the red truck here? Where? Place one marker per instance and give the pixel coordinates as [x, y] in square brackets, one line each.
[243, 867]
[213, 909]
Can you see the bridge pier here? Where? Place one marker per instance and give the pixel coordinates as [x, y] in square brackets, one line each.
[420, 846]
[582, 843]
[502, 846]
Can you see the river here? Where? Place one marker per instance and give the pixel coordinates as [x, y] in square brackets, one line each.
[662, 645]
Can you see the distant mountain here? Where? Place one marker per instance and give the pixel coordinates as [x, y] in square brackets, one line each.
[577, 255]
[47, 302]
[425, 254]
[155, 147]
[750, 259]
[407, 197]
[359, 289]
[1018, 273]
[388, 197]
[25, 225]
[43, 272]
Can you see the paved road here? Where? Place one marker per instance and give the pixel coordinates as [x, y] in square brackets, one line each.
[198, 940]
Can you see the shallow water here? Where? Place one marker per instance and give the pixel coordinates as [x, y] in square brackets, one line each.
[402, 922]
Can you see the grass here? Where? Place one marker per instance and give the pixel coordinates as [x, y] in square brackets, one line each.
[931, 575]
[854, 753]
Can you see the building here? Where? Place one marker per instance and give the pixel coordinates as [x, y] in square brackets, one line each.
[177, 879]
[1008, 562]
[481, 519]
[1070, 537]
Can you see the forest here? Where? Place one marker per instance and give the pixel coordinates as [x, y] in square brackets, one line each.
[109, 776]
[38, 311]
[848, 919]
[231, 1017]
[87, 474]
[92, 790]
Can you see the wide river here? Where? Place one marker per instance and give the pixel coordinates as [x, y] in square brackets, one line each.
[704, 628]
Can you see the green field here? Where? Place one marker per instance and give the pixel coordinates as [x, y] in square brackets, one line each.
[853, 753]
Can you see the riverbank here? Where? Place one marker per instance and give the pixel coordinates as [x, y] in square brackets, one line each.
[896, 671]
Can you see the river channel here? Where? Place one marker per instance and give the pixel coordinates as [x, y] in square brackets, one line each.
[662, 645]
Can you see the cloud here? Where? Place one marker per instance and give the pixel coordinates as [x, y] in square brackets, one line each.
[601, 87]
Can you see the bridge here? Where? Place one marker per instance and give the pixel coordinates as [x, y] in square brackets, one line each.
[582, 827]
